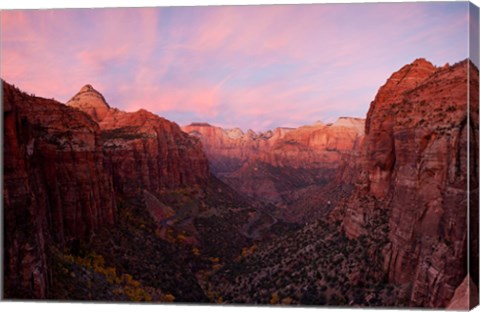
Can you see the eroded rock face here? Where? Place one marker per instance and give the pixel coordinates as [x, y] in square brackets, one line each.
[274, 166]
[143, 151]
[56, 188]
[414, 170]
[226, 150]
[63, 171]
[304, 147]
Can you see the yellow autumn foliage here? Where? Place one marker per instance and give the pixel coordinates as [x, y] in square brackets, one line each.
[168, 298]
[181, 238]
[275, 299]
[132, 288]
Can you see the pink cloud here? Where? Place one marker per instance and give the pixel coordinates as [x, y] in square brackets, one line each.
[254, 64]
[200, 100]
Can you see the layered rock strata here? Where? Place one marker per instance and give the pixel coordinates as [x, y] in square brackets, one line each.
[414, 169]
[143, 150]
[56, 188]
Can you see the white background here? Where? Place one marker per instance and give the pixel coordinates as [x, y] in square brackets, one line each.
[77, 307]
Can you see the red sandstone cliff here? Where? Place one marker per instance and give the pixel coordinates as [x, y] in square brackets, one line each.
[312, 146]
[63, 169]
[228, 149]
[144, 151]
[280, 166]
[56, 187]
[413, 169]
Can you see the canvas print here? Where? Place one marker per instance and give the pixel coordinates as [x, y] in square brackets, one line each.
[304, 155]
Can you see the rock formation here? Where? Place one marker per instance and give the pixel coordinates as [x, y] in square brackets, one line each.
[395, 191]
[91, 102]
[413, 169]
[56, 187]
[304, 147]
[274, 166]
[63, 169]
[143, 151]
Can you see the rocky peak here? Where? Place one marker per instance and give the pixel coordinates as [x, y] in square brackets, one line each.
[235, 133]
[407, 78]
[90, 101]
[350, 122]
[265, 135]
[280, 132]
[87, 88]
[422, 62]
[251, 134]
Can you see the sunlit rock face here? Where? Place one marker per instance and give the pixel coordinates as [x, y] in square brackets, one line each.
[305, 147]
[143, 150]
[413, 168]
[91, 102]
[281, 166]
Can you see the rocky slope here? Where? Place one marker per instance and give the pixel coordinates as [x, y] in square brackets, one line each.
[413, 168]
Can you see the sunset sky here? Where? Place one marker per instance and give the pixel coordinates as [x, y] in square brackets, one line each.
[255, 67]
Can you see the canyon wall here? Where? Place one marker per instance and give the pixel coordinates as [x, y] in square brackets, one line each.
[414, 170]
[282, 166]
[143, 150]
[312, 146]
[56, 187]
[63, 169]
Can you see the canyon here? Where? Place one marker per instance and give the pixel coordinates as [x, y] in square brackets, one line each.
[281, 166]
[101, 204]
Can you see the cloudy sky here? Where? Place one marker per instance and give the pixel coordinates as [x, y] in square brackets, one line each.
[253, 67]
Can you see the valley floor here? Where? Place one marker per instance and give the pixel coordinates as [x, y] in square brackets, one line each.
[140, 259]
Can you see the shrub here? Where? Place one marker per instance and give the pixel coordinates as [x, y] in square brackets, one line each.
[168, 298]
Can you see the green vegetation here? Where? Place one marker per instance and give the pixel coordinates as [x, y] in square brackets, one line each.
[124, 133]
[315, 265]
